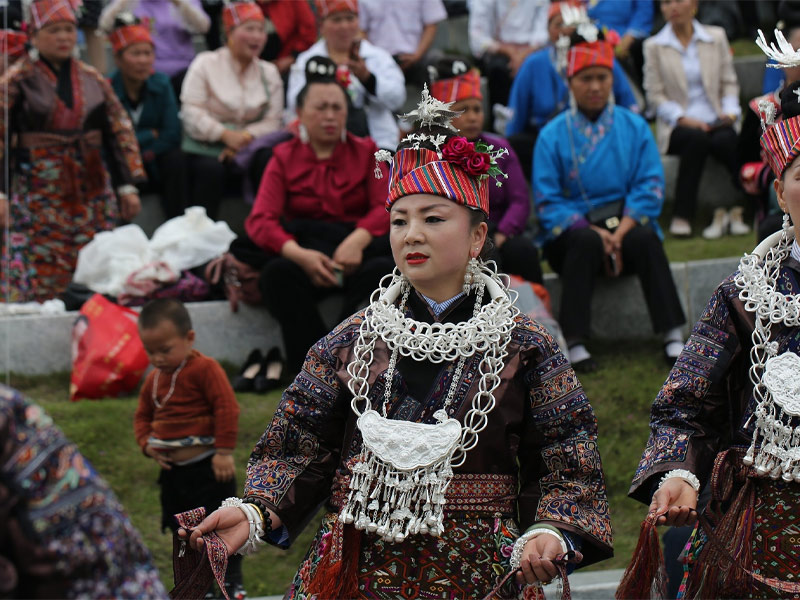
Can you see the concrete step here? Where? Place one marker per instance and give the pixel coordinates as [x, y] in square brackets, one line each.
[42, 344]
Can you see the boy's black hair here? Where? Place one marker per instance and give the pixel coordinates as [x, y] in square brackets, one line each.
[165, 309]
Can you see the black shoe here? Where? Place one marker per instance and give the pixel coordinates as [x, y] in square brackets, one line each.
[587, 365]
[269, 375]
[245, 380]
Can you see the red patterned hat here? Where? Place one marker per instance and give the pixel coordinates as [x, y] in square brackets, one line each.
[236, 13]
[460, 87]
[434, 160]
[12, 43]
[781, 144]
[326, 8]
[44, 12]
[127, 35]
[589, 54]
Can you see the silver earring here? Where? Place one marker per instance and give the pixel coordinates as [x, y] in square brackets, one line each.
[302, 133]
[472, 277]
[33, 52]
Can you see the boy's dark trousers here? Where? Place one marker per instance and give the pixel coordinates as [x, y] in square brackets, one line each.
[190, 486]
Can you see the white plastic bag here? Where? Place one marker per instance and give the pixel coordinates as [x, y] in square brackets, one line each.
[190, 240]
[105, 263]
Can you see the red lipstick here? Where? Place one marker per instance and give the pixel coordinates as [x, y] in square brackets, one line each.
[415, 258]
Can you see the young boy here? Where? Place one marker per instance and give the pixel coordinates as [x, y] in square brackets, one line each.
[187, 421]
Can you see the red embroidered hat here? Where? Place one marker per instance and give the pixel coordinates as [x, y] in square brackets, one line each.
[326, 8]
[236, 13]
[462, 83]
[435, 160]
[127, 35]
[589, 54]
[44, 12]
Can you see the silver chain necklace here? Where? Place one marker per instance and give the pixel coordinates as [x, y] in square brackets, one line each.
[171, 385]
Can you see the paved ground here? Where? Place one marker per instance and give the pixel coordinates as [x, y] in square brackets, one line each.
[589, 585]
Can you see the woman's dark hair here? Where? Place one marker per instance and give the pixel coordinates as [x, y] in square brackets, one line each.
[301, 95]
[319, 69]
[447, 68]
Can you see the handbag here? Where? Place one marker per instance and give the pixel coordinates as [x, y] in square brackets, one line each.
[607, 216]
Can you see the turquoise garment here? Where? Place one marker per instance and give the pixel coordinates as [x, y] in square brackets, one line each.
[159, 113]
[612, 158]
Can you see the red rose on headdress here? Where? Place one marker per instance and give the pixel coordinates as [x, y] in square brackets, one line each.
[612, 37]
[478, 164]
[457, 148]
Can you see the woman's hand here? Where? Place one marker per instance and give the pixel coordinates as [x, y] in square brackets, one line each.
[675, 502]
[358, 67]
[605, 235]
[236, 139]
[318, 266]
[350, 252]
[537, 559]
[129, 206]
[4, 212]
[693, 124]
[229, 523]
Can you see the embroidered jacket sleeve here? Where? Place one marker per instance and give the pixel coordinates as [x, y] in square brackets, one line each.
[125, 161]
[561, 475]
[9, 104]
[689, 419]
[293, 464]
[645, 197]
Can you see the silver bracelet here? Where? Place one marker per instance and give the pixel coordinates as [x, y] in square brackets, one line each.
[533, 532]
[124, 190]
[256, 525]
[687, 476]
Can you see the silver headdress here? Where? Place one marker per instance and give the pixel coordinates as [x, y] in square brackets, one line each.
[783, 54]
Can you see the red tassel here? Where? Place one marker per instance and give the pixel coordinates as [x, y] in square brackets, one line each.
[336, 575]
[645, 576]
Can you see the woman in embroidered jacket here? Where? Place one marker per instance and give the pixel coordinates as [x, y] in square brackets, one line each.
[727, 389]
[525, 461]
[598, 188]
[73, 141]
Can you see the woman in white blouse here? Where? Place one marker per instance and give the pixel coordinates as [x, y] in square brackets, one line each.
[369, 74]
[230, 98]
[690, 83]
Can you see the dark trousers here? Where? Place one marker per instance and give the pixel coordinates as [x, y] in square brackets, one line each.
[166, 176]
[190, 486]
[693, 146]
[498, 73]
[517, 256]
[577, 256]
[209, 179]
[292, 299]
[523, 144]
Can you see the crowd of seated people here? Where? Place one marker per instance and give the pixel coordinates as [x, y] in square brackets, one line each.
[241, 120]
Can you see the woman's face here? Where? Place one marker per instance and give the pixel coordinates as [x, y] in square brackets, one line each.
[788, 191]
[678, 12]
[136, 61]
[470, 122]
[247, 40]
[432, 239]
[56, 41]
[324, 113]
[592, 89]
[340, 30]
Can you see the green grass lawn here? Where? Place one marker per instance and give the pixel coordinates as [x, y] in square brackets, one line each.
[621, 393]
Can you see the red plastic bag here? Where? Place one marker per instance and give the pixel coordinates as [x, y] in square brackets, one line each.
[108, 358]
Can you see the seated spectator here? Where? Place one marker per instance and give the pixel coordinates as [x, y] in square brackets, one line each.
[13, 39]
[173, 23]
[370, 75]
[754, 172]
[598, 189]
[230, 97]
[319, 215]
[510, 204]
[691, 85]
[293, 30]
[633, 22]
[151, 104]
[409, 43]
[502, 33]
[540, 91]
